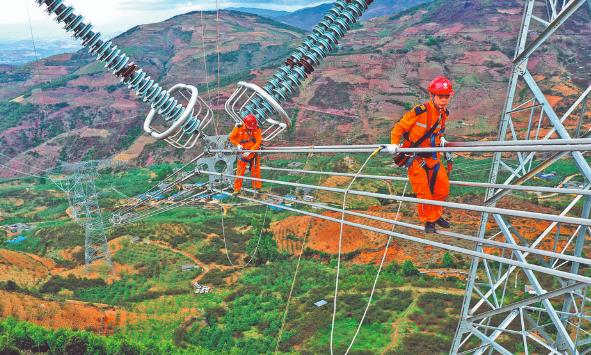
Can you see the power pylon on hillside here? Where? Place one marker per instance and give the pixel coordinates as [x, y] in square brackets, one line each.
[555, 317]
[83, 199]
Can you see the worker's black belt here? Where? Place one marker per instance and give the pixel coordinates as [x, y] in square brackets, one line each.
[249, 160]
[433, 178]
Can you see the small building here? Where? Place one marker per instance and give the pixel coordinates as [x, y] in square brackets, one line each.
[529, 289]
[320, 303]
[159, 197]
[295, 165]
[289, 198]
[17, 240]
[279, 207]
[188, 267]
[220, 197]
[18, 227]
[201, 289]
[547, 176]
[573, 185]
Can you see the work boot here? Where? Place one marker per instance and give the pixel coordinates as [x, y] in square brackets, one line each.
[430, 227]
[442, 223]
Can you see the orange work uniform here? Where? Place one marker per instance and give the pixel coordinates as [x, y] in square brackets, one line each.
[427, 176]
[249, 140]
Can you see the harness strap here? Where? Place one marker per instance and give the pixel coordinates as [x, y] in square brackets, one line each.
[434, 154]
[434, 177]
[249, 160]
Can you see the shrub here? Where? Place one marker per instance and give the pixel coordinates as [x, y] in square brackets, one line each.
[448, 261]
[56, 283]
[409, 269]
[267, 249]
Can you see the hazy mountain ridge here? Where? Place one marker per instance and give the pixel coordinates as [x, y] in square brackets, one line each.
[308, 17]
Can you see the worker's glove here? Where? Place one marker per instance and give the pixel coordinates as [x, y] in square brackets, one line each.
[443, 141]
[449, 156]
[390, 148]
[239, 147]
[245, 155]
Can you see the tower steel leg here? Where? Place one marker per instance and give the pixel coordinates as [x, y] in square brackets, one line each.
[487, 324]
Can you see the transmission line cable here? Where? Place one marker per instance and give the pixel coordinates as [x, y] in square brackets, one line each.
[488, 241]
[336, 288]
[252, 256]
[217, 99]
[205, 66]
[378, 273]
[21, 172]
[293, 281]
[444, 246]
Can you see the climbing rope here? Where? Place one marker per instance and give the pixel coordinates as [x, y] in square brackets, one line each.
[343, 208]
[256, 247]
[293, 281]
[375, 282]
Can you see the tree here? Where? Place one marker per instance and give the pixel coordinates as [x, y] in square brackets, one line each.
[393, 268]
[448, 261]
[11, 286]
[409, 269]
[267, 249]
[76, 344]
[163, 173]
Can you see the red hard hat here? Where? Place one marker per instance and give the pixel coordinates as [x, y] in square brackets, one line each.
[441, 86]
[250, 122]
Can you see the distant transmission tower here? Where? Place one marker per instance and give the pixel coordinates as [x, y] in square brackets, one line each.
[83, 199]
[508, 309]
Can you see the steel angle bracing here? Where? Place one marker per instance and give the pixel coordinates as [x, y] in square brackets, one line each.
[486, 314]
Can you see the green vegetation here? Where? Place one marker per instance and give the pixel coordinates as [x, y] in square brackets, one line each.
[448, 261]
[266, 249]
[56, 283]
[56, 83]
[434, 40]
[13, 113]
[15, 336]
[244, 312]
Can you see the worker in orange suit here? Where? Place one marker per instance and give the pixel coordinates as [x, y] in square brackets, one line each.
[423, 126]
[247, 136]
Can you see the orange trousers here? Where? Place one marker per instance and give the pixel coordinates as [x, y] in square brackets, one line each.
[255, 171]
[431, 183]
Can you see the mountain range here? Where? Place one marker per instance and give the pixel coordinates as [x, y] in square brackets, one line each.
[308, 17]
[67, 107]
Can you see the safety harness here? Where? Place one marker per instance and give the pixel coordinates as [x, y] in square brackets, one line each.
[431, 136]
[251, 160]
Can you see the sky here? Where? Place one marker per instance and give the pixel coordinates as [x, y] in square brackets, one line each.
[112, 17]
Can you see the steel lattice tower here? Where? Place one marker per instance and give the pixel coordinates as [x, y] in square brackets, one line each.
[86, 211]
[553, 315]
